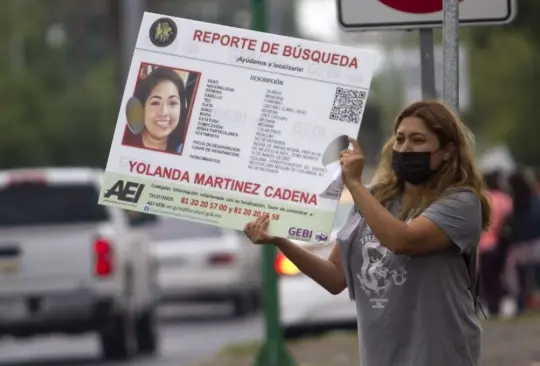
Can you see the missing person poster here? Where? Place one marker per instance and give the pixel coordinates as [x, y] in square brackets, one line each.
[219, 125]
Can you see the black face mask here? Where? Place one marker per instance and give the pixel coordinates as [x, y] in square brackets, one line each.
[412, 167]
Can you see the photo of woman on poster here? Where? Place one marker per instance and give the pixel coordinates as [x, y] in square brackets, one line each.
[158, 112]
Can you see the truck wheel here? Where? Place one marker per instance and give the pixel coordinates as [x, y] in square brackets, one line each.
[117, 341]
[256, 298]
[242, 305]
[146, 333]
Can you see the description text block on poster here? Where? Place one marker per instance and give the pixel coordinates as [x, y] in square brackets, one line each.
[219, 125]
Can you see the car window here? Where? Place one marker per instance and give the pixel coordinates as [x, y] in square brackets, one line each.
[42, 204]
[168, 229]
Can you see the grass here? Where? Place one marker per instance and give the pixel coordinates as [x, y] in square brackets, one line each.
[333, 349]
[505, 343]
[241, 349]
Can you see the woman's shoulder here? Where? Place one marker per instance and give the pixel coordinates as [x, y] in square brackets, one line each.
[459, 213]
[458, 200]
[461, 193]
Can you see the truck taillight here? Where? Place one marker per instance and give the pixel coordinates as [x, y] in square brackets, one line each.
[103, 258]
[22, 177]
[221, 258]
[284, 266]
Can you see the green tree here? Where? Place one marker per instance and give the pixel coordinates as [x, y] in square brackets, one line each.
[52, 111]
[505, 69]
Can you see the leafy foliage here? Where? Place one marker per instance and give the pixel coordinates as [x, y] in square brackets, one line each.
[505, 71]
[51, 111]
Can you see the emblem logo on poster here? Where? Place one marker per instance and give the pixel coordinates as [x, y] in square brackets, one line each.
[125, 191]
[321, 237]
[163, 32]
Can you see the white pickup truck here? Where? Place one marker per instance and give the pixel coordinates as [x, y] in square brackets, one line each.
[69, 265]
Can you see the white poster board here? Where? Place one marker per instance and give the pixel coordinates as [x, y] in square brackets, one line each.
[218, 125]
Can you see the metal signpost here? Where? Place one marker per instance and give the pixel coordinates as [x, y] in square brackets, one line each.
[274, 351]
[427, 64]
[451, 53]
[408, 59]
[365, 15]
[131, 13]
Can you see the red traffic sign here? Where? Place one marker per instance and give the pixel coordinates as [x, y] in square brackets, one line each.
[415, 6]
[358, 15]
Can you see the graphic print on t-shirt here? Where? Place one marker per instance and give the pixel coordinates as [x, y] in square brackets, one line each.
[377, 274]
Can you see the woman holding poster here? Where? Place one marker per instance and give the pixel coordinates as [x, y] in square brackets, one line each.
[408, 251]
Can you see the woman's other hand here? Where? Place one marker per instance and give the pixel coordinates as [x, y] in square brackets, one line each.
[352, 163]
[256, 230]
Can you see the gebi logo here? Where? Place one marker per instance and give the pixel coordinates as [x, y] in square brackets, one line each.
[163, 32]
[125, 191]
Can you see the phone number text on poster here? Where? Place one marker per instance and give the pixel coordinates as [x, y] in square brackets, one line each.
[220, 207]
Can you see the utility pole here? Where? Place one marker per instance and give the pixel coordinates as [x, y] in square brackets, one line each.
[131, 12]
[17, 61]
[427, 64]
[276, 9]
[274, 351]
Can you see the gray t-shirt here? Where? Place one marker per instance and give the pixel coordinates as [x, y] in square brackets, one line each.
[416, 310]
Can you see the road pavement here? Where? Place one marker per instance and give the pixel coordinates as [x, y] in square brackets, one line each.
[187, 334]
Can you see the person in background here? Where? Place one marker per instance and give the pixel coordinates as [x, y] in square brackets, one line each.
[536, 182]
[536, 189]
[523, 236]
[492, 256]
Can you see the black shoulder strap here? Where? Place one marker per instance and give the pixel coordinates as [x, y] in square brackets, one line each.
[475, 284]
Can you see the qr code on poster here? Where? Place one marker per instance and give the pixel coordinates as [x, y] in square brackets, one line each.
[348, 105]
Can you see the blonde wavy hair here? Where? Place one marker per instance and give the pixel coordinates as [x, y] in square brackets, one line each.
[459, 171]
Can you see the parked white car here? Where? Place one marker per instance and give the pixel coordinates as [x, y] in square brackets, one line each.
[304, 305]
[203, 263]
[69, 265]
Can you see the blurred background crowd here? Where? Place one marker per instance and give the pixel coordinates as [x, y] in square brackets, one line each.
[510, 250]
